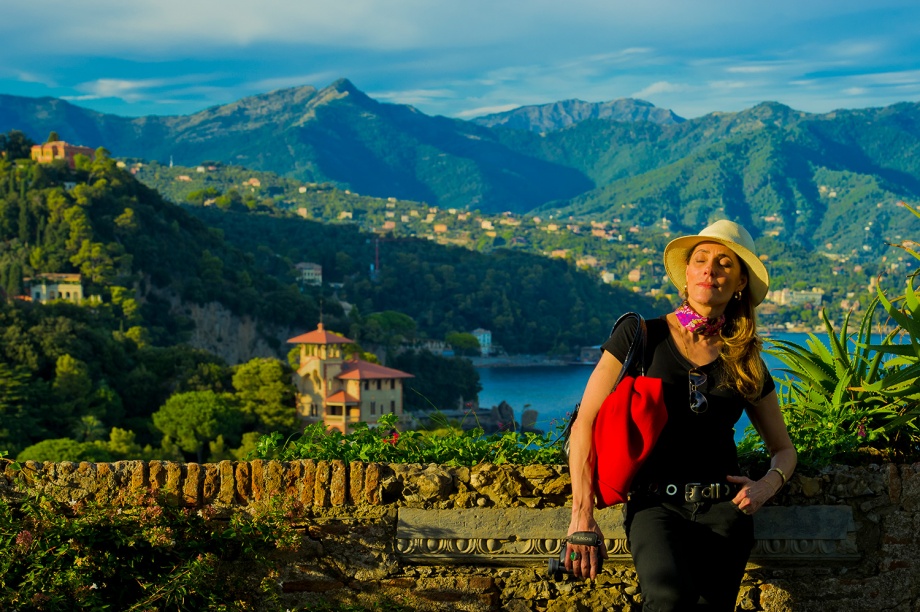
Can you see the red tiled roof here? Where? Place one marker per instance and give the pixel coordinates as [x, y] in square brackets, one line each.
[340, 397]
[320, 336]
[356, 369]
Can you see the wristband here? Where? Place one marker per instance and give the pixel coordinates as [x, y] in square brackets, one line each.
[781, 474]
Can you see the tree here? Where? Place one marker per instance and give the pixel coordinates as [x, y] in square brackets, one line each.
[17, 425]
[72, 385]
[88, 429]
[266, 395]
[195, 418]
[439, 383]
[53, 137]
[16, 145]
[63, 449]
[463, 343]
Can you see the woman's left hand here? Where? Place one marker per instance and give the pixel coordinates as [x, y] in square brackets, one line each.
[753, 495]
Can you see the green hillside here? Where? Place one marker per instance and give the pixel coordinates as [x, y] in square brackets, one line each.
[816, 182]
[77, 372]
[337, 134]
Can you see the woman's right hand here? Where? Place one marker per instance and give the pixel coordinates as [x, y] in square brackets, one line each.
[581, 468]
[587, 562]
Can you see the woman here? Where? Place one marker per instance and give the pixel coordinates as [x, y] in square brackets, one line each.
[690, 541]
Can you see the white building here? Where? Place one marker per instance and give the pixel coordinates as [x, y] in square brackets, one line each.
[485, 340]
[310, 273]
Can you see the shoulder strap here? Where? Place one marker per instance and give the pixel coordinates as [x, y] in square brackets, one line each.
[636, 348]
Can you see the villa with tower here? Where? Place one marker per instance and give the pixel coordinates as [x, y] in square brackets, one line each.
[340, 392]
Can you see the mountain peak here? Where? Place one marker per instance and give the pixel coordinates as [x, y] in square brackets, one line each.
[344, 86]
[562, 114]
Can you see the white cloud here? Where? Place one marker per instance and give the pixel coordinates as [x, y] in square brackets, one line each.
[751, 69]
[487, 110]
[661, 87]
[412, 96]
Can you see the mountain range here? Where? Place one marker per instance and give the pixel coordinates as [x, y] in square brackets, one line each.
[830, 182]
[558, 115]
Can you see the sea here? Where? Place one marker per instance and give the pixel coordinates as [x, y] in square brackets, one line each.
[553, 390]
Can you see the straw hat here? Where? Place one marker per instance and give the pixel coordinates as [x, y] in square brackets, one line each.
[729, 234]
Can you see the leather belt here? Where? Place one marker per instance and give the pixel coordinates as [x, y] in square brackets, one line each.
[693, 491]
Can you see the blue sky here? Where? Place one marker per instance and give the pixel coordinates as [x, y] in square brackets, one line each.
[464, 58]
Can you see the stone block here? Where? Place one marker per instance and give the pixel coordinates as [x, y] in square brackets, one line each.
[293, 472]
[245, 481]
[338, 482]
[274, 479]
[210, 485]
[308, 482]
[356, 483]
[227, 493]
[191, 487]
[157, 475]
[372, 484]
[106, 491]
[172, 485]
[321, 484]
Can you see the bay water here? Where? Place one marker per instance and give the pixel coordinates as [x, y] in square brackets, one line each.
[553, 390]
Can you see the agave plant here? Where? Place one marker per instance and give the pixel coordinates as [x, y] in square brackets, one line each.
[901, 385]
[857, 391]
[828, 408]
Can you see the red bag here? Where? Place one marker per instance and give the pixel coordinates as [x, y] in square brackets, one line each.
[625, 431]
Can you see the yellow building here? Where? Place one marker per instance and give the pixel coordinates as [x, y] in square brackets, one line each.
[341, 392]
[50, 151]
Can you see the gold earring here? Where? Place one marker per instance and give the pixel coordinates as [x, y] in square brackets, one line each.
[738, 296]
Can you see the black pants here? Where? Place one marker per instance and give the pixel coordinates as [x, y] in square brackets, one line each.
[688, 556]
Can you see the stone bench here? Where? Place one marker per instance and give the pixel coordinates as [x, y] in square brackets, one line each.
[523, 536]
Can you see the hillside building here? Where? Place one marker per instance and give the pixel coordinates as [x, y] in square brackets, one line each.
[310, 273]
[47, 287]
[788, 297]
[485, 340]
[340, 392]
[58, 149]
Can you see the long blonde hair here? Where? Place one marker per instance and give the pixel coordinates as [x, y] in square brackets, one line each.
[741, 346]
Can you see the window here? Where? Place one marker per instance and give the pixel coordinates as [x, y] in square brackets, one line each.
[392, 406]
[378, 385]
[392, 383]
[373, 407]
[367, 385]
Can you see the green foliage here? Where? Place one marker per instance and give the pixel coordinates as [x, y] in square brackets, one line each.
[63, 449]
[385, 444]
[440, 382]
[144, 555]
[463, 343]
[15, 145]
[860, 393]
[828, 415]
[530, 303]
[265, 394]
[195, 418]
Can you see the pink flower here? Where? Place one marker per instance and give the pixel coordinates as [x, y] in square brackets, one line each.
[861, 432]
[24, 539]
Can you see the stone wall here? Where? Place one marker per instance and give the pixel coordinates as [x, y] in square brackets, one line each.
[440, 538]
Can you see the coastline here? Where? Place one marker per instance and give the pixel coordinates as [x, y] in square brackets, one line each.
[506, 361]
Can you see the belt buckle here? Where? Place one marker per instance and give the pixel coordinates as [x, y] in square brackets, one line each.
[697, 492]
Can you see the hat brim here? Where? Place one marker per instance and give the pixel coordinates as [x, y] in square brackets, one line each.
[677, 254]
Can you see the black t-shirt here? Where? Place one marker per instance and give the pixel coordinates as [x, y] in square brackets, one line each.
[692, 447]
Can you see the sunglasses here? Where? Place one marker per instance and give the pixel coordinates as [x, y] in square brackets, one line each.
[698, 403]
